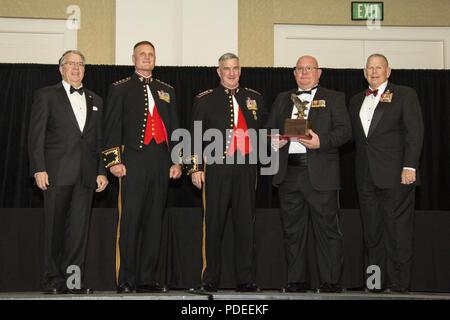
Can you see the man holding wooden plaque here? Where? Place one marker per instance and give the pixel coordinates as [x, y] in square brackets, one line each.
[314, 123]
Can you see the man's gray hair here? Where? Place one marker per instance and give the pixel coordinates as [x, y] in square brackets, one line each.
[228, 56]
[378, 55]
[62, 60]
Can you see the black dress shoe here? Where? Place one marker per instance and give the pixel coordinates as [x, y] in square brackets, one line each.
[125, 288]
[247, 287]
[296, 287]
[54, 286]
[79, 291]
[397, 289]
[209, 287]
[329, 288]
[53, 290]
[381, 290]
[151, 288]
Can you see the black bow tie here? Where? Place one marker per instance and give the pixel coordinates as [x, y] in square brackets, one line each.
[299, 92]
[370, 91]
[79, 90]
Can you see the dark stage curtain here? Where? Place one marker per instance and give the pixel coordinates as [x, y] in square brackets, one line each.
[180, 262]
[19, 81]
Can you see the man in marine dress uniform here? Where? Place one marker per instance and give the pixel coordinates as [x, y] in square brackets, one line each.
[232, 110]
[140, 117]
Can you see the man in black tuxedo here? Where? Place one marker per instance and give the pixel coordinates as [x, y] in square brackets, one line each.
[228, 178]
[140, 116]
[65, 144]
[308, 178]
[388, 133]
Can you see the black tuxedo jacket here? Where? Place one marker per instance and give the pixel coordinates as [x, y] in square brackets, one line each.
[331, 123]
[57, 145]
[395, 136]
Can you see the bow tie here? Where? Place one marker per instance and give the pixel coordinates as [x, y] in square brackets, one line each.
[79, 90]
[299, 92]
[370, 91]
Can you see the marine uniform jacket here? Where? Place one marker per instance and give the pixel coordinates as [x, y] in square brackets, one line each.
[126, 115]
[214, 108]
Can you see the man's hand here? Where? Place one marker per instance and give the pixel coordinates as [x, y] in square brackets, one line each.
[175, 171]
[41, 180]
[198, 179]
[278, 143]
[118, 170]
[313, 143]
[408, 176]
[102, 182]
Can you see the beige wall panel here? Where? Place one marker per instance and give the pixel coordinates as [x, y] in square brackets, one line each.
[257, 19]
[96, 38]
[255, 32]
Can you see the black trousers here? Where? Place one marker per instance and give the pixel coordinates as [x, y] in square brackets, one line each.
[67, 212]
[300, 203]
[229, 186]
[144, 193]
[388, 223]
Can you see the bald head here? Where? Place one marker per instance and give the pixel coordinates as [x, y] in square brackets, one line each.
[308, 60]
[307, 72]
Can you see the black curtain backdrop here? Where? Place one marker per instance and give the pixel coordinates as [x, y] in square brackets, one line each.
[19, 81]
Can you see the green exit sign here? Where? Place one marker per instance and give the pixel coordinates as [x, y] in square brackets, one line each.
[367, 10]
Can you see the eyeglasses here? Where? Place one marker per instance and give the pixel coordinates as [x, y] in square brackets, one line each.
[305, 69]
[73, 64]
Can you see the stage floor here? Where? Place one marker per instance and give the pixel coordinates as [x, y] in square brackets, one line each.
[228, 295]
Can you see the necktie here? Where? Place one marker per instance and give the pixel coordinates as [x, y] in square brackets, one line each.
[370, 91]
[79, 90]
[306, 91]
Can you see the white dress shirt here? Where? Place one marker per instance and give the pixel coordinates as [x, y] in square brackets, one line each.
[78, 103]
[235, 110]
[368, 107]
[151, 100]
[295, 146]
